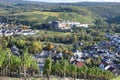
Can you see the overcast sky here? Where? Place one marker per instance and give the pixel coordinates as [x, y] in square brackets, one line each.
[77, 0]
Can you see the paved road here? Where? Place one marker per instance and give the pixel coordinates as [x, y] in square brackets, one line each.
[41, 62]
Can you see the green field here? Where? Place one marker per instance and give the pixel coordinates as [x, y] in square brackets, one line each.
[117, 78]
[39, 17]
[53, 33]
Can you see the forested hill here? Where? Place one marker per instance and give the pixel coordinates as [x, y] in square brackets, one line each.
[36, 13]
[9, 1]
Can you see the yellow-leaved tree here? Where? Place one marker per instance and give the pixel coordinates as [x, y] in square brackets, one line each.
[35, 47]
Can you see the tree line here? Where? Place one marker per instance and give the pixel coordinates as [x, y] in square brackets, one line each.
[17, 66]
[62, 68]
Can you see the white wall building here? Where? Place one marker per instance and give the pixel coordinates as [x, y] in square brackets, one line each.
[66, 25]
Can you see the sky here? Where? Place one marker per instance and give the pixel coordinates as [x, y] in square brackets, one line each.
[77, 0]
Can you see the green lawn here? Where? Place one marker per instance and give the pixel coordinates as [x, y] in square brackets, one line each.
[53, 33]
[117, 78]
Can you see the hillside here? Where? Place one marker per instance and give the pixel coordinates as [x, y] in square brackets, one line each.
[36, 13]
[9, 1]
[38, 17]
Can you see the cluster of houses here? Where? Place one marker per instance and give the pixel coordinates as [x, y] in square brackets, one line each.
[9, 30]
[114, 41]
[66, 25]
[110, 59]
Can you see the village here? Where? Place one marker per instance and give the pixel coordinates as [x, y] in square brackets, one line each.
[11, 29]
[107, 51]
[59, 40]
[110, 58]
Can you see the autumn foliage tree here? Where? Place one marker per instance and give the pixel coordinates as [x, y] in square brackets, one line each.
[49, 46]
[35, 47]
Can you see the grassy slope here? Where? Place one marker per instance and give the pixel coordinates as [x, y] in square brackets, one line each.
[82, 12]
[40, 17]
[117, 78]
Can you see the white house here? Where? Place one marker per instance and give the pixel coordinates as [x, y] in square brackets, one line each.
[0, 33]
[28, 32]
[66, 25]
[44, 54]
[8, 33]
[78, 54]
[59, 55]
[82, 25]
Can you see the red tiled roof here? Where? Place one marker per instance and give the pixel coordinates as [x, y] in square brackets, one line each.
[79, 64]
